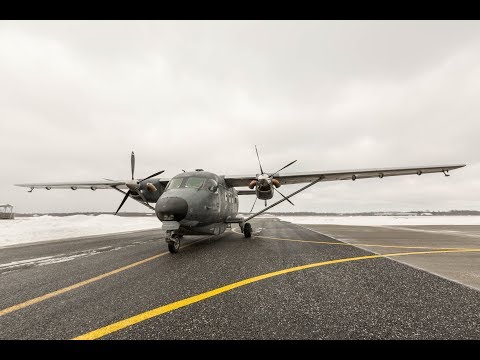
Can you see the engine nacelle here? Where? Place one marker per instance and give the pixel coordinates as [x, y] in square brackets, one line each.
[265, 194]
[151, 190]
[264, 187]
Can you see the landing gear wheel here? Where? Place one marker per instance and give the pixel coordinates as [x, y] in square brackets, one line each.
[247, 230]
[173, 241]
[174, 246]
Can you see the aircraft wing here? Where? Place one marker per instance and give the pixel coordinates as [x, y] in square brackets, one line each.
[305, 177]
[92, 185]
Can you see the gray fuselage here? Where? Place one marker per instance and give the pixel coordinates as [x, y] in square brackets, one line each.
[199, 201]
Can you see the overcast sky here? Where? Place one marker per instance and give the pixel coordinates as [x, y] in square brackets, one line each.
[76, 97]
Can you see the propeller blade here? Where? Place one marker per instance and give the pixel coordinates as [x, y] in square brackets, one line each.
[132, 163]
[139, 192]
[253, 204]
[148, 177]
[282, 168]
[123, 201]
[258, 157]
[283, 196]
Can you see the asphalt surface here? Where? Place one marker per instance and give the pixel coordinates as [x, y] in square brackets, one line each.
[463, 267]
[375, 298]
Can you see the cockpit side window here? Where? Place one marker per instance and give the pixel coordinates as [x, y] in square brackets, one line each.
[174, 183]
[210, 184]
[194, 182]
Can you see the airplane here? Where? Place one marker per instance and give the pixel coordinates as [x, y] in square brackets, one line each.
[200, 202]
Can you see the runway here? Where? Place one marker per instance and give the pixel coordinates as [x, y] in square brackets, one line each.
[286, 282]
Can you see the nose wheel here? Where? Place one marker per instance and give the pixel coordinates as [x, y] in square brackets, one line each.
[173, 241]
[174, 246]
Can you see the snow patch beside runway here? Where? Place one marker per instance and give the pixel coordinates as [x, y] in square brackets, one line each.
[383, 220]
[46, 227]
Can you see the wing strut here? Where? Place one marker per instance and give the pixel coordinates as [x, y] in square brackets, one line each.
[285, 198]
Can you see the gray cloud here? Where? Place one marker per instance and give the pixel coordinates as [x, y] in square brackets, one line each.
[76, 97]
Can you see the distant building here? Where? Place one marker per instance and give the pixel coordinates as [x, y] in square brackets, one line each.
[6, 212]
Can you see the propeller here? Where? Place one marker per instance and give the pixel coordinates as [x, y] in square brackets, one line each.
[273, 182]
[283, 197]
[132, 163]
[253, 204]
[271, 175]
[134, 185]
[276, 172]
[123, 201]
[259, 163]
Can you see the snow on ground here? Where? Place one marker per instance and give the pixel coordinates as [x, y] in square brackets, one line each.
[383, 220]
[46, 227]
[33, 229]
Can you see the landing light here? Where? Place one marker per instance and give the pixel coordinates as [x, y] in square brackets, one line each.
[167, 217]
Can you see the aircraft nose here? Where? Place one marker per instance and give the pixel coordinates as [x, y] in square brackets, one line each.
[171, 208]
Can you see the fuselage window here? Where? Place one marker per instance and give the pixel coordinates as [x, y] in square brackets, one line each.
[194, 182]
[174, 183]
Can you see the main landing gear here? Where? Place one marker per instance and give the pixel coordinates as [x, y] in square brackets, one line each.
[247, 230]
[173, 241]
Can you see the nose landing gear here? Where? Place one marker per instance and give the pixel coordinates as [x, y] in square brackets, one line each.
[173, 241]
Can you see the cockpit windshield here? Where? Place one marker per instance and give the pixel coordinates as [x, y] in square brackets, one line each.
[194, 182]
[183, 182]
[174, 183]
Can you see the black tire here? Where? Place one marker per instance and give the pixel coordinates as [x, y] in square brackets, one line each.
[247, 230]
[173, 247]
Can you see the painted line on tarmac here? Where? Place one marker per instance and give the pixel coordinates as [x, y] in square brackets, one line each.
[109, 329]
[83, 283]
[354, 245]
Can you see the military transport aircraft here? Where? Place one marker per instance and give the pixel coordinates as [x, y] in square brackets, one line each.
[203, 203]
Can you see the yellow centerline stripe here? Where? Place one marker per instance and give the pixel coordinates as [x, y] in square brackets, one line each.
[95, 334]
[348, 244]
[82, 283]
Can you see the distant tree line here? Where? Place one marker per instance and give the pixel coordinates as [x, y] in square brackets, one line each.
[380, 213]
[297, 213]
